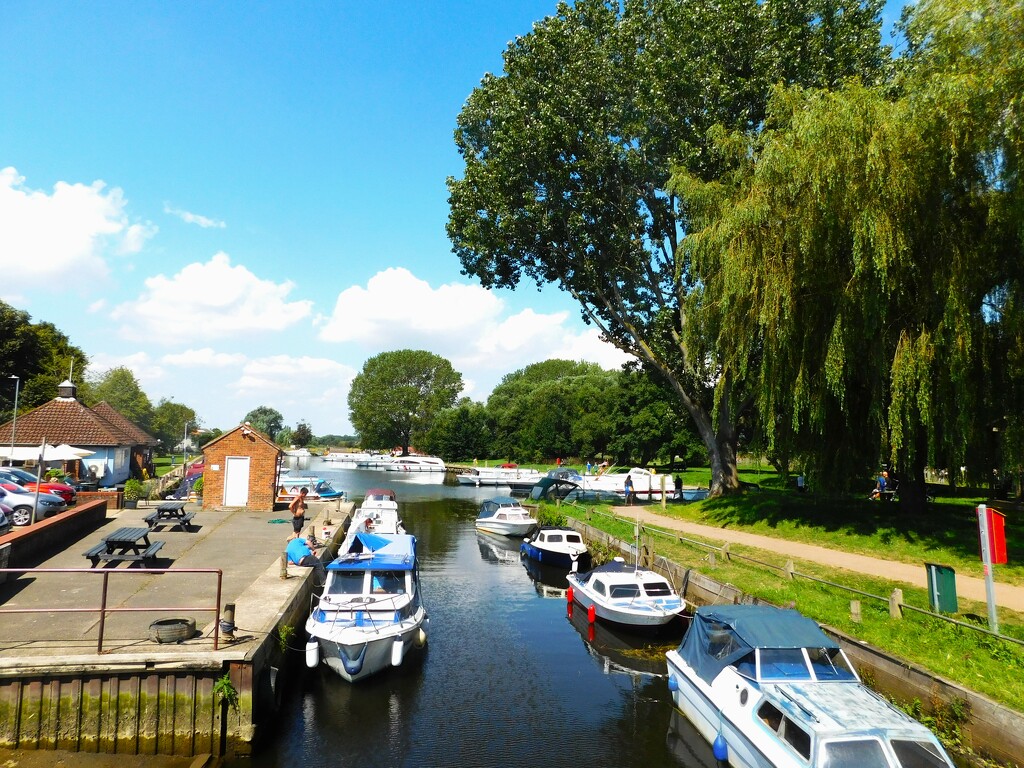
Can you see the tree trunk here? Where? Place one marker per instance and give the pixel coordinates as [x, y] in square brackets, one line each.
[912, 489]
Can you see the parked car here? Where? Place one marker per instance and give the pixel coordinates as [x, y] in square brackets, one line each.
[28, 480]
[22, 502]
[5, 518]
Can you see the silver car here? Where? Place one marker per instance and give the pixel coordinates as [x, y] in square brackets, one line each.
[22, 502]
[5, 519]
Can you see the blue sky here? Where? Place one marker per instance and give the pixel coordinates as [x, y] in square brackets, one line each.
[244, 201]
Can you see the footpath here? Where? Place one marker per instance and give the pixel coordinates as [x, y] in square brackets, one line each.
[969, 587]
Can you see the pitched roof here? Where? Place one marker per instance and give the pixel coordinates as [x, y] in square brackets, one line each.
[65, 420]
[139, 436]
[248, 431]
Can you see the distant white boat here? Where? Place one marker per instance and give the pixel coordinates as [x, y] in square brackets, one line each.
[300, 453]
[504, 516]
[495, 476]
[413, 463]
[626, 594]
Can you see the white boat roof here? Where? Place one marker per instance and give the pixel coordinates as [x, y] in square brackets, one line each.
[840, 709]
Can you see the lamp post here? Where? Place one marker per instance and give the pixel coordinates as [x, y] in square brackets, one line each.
[184, 451]
[14, 420]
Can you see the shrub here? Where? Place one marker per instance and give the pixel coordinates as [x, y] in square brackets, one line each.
[133, 489]
[197, 487]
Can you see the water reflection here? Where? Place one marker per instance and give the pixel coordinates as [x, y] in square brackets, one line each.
[506, 678]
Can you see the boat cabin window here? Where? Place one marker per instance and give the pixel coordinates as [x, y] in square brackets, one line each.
[770, 716]
[346, 583]
[599, 587]
[573, 538]
[388, 582]
[862, 753]
[800, 740]
[829, 664]
[783, 664]
[625, 590]
[554, 537]
[918, 754]
[657, 588]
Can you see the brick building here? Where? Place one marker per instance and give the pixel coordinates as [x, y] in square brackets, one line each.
[240, 470]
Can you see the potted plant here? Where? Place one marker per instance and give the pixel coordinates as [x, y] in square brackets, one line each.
[197, 488]
[132, 493]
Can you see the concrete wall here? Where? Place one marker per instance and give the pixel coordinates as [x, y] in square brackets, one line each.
[34, 542]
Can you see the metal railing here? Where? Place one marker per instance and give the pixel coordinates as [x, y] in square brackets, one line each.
[103, 609]
[791, 572]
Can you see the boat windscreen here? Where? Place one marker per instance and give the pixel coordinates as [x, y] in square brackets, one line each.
[915, 753]
[862, 753]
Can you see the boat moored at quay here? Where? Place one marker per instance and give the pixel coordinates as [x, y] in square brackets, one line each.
[768, 689]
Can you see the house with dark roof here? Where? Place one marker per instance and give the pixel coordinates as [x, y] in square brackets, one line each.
[119, 447]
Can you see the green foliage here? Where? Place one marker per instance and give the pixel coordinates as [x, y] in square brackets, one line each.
[133, 489]
[302, 435]
[397, 395]
[548, 514]
[266, 419]
[462, 433]
[119, 388]
[284, 633]
[225, 691]
[567, 157]
[197, 486]
[170, 422]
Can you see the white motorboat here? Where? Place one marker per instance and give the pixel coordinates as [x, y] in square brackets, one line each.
[370, 615]
[647, 485]
[626, 594]
[317, 489]
[504, 516]
[495, 476]
[769, 689]
[557, 546]
[413, 463]
[377, 514]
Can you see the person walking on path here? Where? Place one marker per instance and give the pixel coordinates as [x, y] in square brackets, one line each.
[628, 488]
[298, 510]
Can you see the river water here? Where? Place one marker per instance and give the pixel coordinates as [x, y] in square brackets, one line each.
[507, 677]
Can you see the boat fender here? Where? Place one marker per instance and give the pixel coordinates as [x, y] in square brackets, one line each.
[720, 748]
[591, 614]
[569, 594]
[673, 684]
[420, 638]
[397, 652]
[312, 653]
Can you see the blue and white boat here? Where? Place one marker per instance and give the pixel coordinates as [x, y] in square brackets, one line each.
[370, 615]
[626, 594]
[557, 546]
[317, 489]
[769, 689]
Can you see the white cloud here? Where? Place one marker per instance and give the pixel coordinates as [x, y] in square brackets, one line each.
[311, 389]
[139, 363]
[96, 306]
[73, 230]
[194, 218]
[204, 358]
[209, 301]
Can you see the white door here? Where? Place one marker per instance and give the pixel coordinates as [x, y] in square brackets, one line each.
[236, 481]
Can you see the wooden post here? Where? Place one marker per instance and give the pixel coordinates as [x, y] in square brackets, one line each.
[790, 570]
[284, 565]
[664, 501]
[711, 558]
[855, 611]
[896, 604]
[725, 551]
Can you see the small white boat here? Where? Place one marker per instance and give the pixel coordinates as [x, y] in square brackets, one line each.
[693, 494]
[415, 464]
[647, 485]
[557, 546]
[370, 614]
[504, 516]
[377, 514]
[768, 689]
[495, 476]
[626, 594]
[317, 489]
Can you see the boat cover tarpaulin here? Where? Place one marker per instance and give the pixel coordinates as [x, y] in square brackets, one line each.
[720, 635]
[371, 551]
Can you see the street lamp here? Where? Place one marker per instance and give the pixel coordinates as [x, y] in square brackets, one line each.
[14, 420]
[184, 452]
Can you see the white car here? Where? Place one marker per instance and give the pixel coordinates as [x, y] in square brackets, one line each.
[22, 502]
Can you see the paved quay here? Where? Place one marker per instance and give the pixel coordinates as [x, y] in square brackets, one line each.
[245, 545]
[969, 587]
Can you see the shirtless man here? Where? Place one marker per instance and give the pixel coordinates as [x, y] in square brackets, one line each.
[298, 510]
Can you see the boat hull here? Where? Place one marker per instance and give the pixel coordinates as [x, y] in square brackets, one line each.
[356, 656]
[630, 618]
[505, 527]
[572, 561]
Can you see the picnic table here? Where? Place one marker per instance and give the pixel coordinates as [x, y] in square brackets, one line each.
[170, 512]
[125, 544]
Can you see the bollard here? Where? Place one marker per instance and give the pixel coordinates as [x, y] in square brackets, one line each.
[284, 565]
[896, 604]
[227, 621]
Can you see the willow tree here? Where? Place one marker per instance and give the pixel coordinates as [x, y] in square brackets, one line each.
[568, 155]
[858, 249]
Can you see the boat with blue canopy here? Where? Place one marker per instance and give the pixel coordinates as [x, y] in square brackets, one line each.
[370, 614]
[769, 689]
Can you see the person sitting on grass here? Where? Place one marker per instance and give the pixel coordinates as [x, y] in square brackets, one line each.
[880, 485]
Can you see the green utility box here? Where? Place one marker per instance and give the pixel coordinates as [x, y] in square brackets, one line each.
[941, 588]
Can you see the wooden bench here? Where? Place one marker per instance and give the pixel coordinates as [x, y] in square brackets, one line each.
[101, 552]
[156, 517]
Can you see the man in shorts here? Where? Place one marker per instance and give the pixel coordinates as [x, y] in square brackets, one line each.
[298, 510]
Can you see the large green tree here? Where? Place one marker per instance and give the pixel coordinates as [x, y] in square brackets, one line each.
[171, 422]
[461, 433]
[267, 420]
[395, 398]
[119, 388]
[568, 156]
[865, 257]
